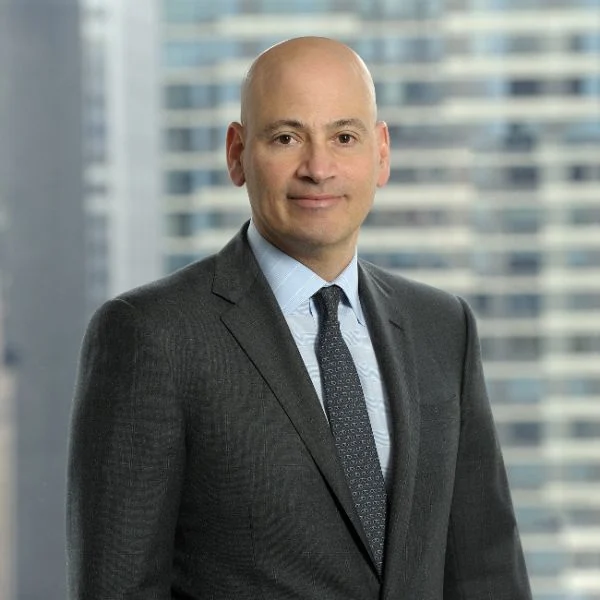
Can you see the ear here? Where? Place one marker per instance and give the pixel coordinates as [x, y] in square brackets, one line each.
[234, 146]
[383, 148]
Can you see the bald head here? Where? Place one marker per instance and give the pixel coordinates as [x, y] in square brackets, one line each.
[309, 150]
[303, 56]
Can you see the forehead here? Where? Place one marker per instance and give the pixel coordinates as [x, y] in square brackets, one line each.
[308, 88]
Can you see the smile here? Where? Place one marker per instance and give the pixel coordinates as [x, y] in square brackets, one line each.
[315, 200]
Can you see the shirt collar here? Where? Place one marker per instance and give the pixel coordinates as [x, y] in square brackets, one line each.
[293, 283]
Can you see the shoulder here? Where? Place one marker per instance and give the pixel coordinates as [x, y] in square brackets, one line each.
[187, 285]
[440, 324]
[413, 297]
[174, 298]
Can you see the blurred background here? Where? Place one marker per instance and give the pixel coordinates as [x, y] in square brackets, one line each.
[112, 173]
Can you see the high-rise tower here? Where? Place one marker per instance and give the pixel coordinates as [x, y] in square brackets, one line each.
[494, 113]
[42, 272]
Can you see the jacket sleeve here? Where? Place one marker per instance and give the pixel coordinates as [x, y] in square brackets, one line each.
[484, 558]
[126, 455]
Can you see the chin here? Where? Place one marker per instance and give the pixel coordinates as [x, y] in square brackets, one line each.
[318, 241]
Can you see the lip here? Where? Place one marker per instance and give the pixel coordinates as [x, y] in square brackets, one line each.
[314, 200]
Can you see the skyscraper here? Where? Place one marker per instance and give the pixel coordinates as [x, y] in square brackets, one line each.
[123, 221]
[7, 478]
[42, 272]
[73, 200]
[494, 112]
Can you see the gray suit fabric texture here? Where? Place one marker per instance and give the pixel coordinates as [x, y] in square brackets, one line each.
[201, 465]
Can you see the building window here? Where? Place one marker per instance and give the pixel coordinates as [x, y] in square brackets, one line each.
[583, 86]
[187, 182]
[179, 182]
[574, 87]
[580, 173]
[580, 387]
[196, 139]
[581, 472]
[579, 258]
[511, 348]
[545, 562]
[520, 390]
[587, 560]
[524, 44]
[583, 344]
[585, 42]
[178, 140]
[520, 137]
[482, 304]
[412, 260]
[184, 97]
[411, 218]
[507, 306]
[525, 87]
[537, 519]
[523, 305]
[523, 348]
[186, 11]
[190, 54]
[522, 177]
[582, 132]
[421, 93]
[180, 225]
[523, 220]
[583, 517]
[524, 263]
[584, 215]
[220, 219]
[403, 175]
[178, 261]
[177, 97]
[527, 476]
[587, 430]
[582, 301]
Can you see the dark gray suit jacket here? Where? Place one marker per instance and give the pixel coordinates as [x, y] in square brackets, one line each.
[202, 466]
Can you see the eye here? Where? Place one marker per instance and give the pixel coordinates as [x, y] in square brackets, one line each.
[284, 138]
[345, 138]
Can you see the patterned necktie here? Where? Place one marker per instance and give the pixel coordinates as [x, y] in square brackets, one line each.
[349, 421]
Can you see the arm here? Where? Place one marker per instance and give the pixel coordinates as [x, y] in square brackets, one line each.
[484, 558]
[126, 457]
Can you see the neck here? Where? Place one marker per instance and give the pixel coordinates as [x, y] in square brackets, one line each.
[326, 260]
[324, 269]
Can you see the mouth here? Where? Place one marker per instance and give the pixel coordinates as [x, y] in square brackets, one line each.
[314, 200]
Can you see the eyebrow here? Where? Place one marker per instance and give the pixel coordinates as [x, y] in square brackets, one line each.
[282, 123]
[295, 124]
[353, 122]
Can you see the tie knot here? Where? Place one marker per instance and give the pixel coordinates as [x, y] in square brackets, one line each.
[328, 300]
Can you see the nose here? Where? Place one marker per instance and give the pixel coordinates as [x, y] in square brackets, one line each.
[317, 163]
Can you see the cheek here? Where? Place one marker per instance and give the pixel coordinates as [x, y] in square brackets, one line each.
[362, 179]
[267, 174]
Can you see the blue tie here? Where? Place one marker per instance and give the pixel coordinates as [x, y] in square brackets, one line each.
[349, 421]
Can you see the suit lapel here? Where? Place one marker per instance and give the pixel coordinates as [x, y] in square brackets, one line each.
[258, 325]
[392, 341]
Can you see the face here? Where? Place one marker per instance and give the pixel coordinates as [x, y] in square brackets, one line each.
[311, 155]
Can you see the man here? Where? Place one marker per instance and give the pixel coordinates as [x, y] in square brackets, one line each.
[215, 446]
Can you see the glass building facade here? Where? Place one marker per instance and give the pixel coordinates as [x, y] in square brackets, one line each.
[96, 128]
[121, 147]
[494, 113]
